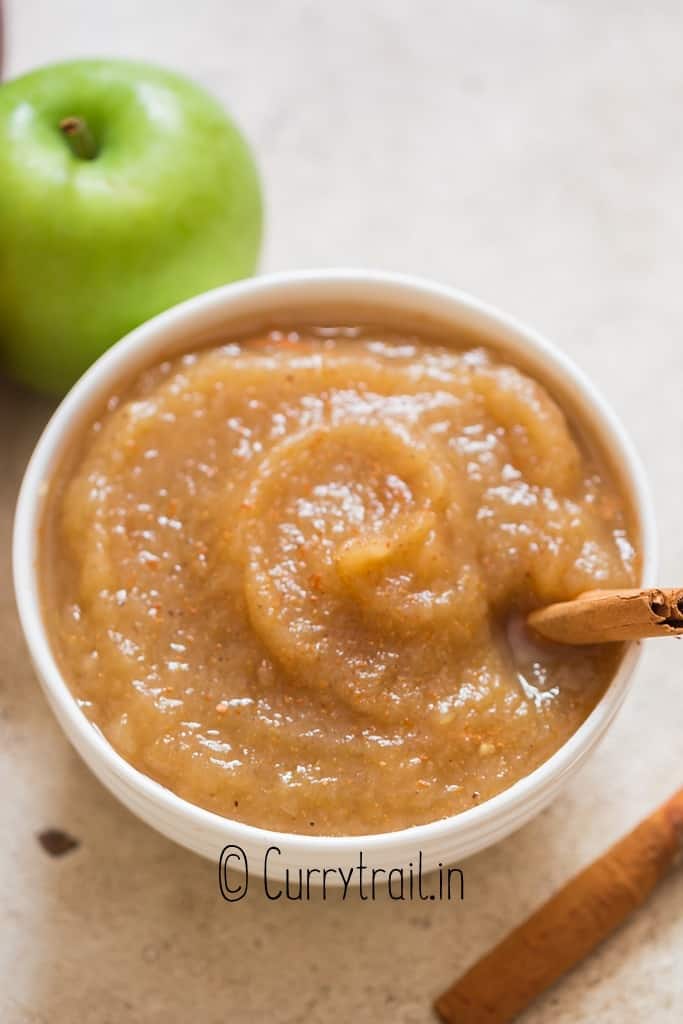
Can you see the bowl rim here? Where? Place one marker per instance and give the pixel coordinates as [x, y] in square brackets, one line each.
[354, 281]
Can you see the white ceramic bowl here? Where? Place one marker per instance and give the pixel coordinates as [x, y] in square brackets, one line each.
[332, 296]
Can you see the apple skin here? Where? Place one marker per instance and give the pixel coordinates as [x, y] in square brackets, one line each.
[89, 248]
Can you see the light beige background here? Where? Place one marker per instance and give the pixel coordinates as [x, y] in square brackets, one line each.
[531, 153]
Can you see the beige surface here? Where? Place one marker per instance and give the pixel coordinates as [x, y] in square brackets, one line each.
[535, 159]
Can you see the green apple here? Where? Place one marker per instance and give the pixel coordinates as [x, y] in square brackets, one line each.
[124, 188]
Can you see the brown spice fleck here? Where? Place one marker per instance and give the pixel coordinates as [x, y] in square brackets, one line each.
[56, 842]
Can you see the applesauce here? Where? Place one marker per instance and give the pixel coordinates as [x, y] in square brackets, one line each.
[287, 577]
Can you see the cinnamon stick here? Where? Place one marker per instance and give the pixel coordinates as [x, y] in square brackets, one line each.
[569, 925]
[603, 616]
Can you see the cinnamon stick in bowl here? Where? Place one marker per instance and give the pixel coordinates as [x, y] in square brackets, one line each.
[570, 925]
[604, 616]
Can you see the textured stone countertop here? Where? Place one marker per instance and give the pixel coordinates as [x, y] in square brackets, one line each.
[530, 153]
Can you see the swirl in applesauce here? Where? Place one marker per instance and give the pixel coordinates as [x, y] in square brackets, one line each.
[286, 577]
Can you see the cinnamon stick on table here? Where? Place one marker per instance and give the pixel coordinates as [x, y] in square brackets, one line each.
[569, 925]
[601, 616]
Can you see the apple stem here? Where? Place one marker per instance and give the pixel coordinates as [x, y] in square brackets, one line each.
[80, 138]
